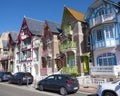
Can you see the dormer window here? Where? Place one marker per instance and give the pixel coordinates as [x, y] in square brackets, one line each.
[25, 30]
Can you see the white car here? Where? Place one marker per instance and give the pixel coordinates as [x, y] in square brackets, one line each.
[109, 89]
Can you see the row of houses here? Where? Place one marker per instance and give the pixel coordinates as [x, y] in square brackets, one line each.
[83, 44]
[43, 48]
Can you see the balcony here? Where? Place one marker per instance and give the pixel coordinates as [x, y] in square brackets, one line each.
[101, 19]
[45, 71]
[24, 58]
[105, 70]
[70, 70]
[68, 29]
[24, 47]
[68, 45]
[35, 59]
[36, 45]
[29, 46]
[4, 57]
[23, 36]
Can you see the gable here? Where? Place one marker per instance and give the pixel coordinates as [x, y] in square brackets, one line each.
[99, 5]
[70, 16]
[47, 34]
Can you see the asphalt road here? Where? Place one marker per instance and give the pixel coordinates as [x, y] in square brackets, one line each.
[15, 90]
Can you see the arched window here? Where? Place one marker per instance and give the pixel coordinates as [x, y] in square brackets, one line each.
[106, 59]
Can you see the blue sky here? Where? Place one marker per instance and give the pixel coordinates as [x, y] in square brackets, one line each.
[12, 12]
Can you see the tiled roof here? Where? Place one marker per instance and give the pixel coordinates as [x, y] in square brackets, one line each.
[77, 15]
[14, 36]
[54, 27]
[4, 43]
[35, 26]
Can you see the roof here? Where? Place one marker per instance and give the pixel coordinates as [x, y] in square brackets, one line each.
[98, 3]
[4, 35]
[54, 27]
[14, 36]
[35, 26]
[4, 42]
[77, 15]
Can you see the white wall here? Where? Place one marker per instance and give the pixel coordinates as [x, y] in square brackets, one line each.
[107, 50]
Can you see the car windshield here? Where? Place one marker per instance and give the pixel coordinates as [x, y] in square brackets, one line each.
[116, 81]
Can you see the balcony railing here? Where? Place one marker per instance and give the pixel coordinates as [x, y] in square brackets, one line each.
[24, 58]
[35, 45]
[70, 70]
[4, 57]
[101, 19]
[67, 29]
[105, 70]
[29, 46]
[67, 45]
[35, 59]
[24, 36]
[26, 46]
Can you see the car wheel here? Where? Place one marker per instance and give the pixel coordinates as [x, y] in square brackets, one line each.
[9, 82]
[63, 91]
[40, 87]
[0, 79]
[109, 94]
[19, 82]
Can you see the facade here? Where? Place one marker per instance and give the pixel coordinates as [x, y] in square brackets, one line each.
[50, 47]
[37, 46]
[28, 47]
[103, 17]
[11, 43]
[74, 49]
[4, 52]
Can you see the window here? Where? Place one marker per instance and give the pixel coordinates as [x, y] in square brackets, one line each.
[100, 35]
[28, 53]
[25, 30]
[101, 12]
[109, 32]
[106, 59]
[51, 78]
[59, 78]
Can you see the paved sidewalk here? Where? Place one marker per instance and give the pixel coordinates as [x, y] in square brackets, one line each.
[88, 89]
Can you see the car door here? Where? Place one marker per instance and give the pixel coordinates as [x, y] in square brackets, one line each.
[15, 78]
[48, 82]
[58, 82]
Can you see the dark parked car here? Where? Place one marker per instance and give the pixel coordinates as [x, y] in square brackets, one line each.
[21, 78]
[5, 76]
[62, 83]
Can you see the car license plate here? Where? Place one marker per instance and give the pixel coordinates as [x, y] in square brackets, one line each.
[75, 88]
